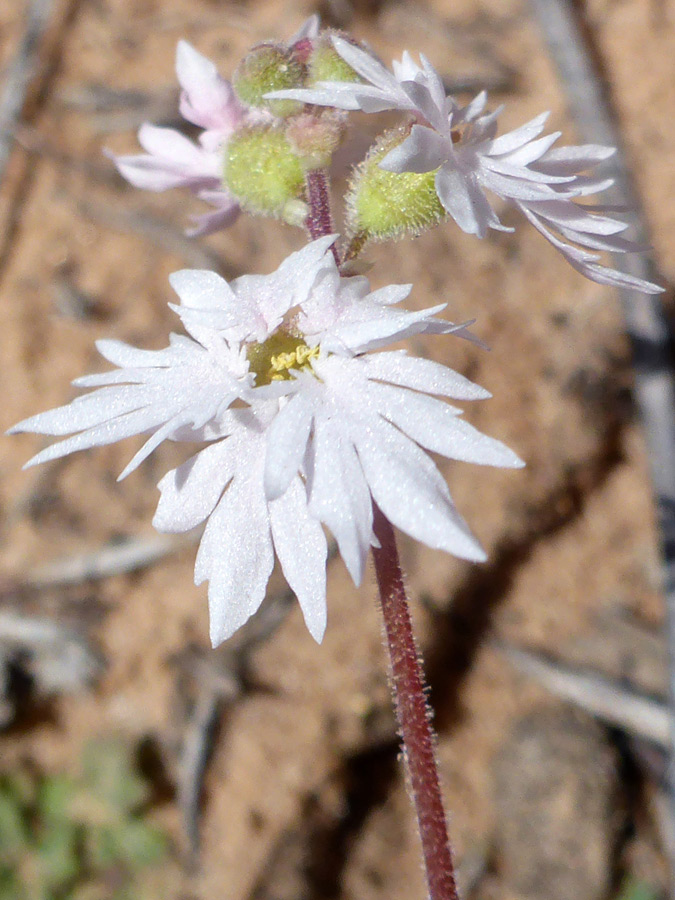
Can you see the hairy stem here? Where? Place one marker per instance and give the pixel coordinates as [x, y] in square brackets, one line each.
[413, 716]
[319, 220]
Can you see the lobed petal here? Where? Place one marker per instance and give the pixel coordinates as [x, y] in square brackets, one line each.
[301, 547]
[189, 493]
[410, 491]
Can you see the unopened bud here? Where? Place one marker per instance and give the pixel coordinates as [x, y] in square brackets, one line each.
[315, 137]
[262, 171]
[266, 68]
[385, 205]
[326, 64]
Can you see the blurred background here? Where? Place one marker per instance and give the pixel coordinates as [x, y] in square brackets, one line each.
[135, 762]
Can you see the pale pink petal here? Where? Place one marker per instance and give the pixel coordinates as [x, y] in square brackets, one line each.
[207, 99]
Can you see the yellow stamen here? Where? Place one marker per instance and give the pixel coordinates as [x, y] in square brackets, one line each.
[299, 358]
[281, 352]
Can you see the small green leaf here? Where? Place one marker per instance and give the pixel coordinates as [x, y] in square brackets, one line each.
[13, 827]
[108, 772]
[138, 844]
[54, 799]
[58, 855]
[10, 889]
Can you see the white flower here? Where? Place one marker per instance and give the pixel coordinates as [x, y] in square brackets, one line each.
[461, 145]
[173, 160]
[223, 484]
[322, 427]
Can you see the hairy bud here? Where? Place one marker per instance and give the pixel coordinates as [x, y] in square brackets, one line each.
[263, 172]
[325, 63]
[269, 67]
[385, 205]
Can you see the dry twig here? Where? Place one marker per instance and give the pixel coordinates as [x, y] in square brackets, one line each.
[118, 559]
[57, 659]
[20, 74]
[641, 716]
[646, 322]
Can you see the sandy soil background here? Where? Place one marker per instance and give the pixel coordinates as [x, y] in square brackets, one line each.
[302, 796]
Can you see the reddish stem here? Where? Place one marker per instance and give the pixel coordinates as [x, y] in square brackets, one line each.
[413, 716]
[319, 220]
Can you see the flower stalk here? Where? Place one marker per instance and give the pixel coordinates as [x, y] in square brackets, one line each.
[319, 219]
[412, 712]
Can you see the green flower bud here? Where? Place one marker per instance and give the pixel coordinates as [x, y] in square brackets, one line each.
[326, 64]
[384, 205]
[268, 67]
[263, 172]
[314, 138]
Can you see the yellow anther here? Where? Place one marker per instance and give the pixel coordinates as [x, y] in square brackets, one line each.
[274, 359]
[295, 359]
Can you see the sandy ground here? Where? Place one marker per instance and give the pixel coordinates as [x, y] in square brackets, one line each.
[302, 795]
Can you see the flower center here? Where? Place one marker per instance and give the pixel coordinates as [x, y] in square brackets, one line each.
[274, 358]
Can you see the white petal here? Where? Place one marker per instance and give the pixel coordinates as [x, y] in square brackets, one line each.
[236, 556]
[366, 65]
[519, 188]
[339, 94]
[423, 151]
[108, 432]
[587, 264]
[436, 427]
[571, 160]
[339, 495]
[410, 491]
[390, 294]
[272, 296]
[472, 110]
[504, 165]
[463, 198]
[126, 356]
[301, 547]
[424, 104]
[88, 411]
[512, 140]
[568, 214]
[422, 375]
[194, 414]
[190, 492]
[286, 442]
[149, 173]
[202, 289]
[297, 273]
[533, 151]
[373, 332]
[613, 243]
